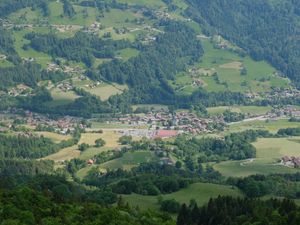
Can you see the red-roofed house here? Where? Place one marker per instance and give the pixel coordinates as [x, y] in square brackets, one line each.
[166, 133]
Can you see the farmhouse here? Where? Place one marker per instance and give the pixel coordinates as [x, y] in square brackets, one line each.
[291, 161]
[166, 133]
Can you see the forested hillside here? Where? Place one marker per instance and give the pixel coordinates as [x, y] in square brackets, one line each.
[266, 29]
[149, 112]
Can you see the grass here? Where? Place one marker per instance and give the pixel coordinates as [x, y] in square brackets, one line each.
[129, 160]
[201, 192]
[269, 151]
[252, 110]
[152, 3]
[110, 137]
[271, 126]
[61, 97]
[277, 147]
[228, 66]
[20, 41]
[259, 166]
[56, 15]
[65, 154]
[103, 91]
[57, 138]
[91, 152]
[127, 53]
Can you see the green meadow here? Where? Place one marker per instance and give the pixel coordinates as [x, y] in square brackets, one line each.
[268, 153]
[270, 125]
[201, 192]
[227, 65]
[251, 110]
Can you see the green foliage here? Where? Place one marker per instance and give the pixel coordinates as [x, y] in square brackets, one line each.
[286, 185]
[233, 116]
[228, 210]
[23, 146]
[82, 147]
[158, 62]
[171, 206]
[263, 28]
[125, 140]
[289, 132]
[82, 47]
[99, 143]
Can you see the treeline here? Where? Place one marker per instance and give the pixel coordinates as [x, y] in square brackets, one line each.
[149, 179]
[289, 131]
[267, 30]
[236, 211]
[82, 47]
[7, 46]
[281, 185]
[84, 106]
[235, 146]
[22, 167]
[22, 146]
[149, 72]
[53, 200]
[29, 74]
[9, 6]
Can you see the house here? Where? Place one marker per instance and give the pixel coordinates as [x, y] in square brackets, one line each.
[166, 133]
[90, 162]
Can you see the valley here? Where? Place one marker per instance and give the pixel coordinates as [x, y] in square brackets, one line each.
[149, 112]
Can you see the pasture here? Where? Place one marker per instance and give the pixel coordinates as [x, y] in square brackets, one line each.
[64, 154]
[110, 137]
[129, 160]
[61, 97]
[103, 90]
[269, 125]
[268, 151]
[260, 76]
[201, 192]
[251, 110]
[55, 137]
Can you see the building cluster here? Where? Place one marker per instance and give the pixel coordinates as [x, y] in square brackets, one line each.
[292, 161]
[181, 121]
[53, 67]
[62, 125]
[94, 28]
[20, 90]
[286, 111]
[65, 86]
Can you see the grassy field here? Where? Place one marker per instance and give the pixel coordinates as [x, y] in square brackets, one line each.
[20, 41]
[152, 3]
[228, 65]
[54, 136]
[269, 151]
[90, 152]
[272, 126]
[127, 53]
[129, 160]
[201, 192]
[103, 91]
[61, 97]
[251, 110]
[99, 125]
[110, 137]
[65, 154]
